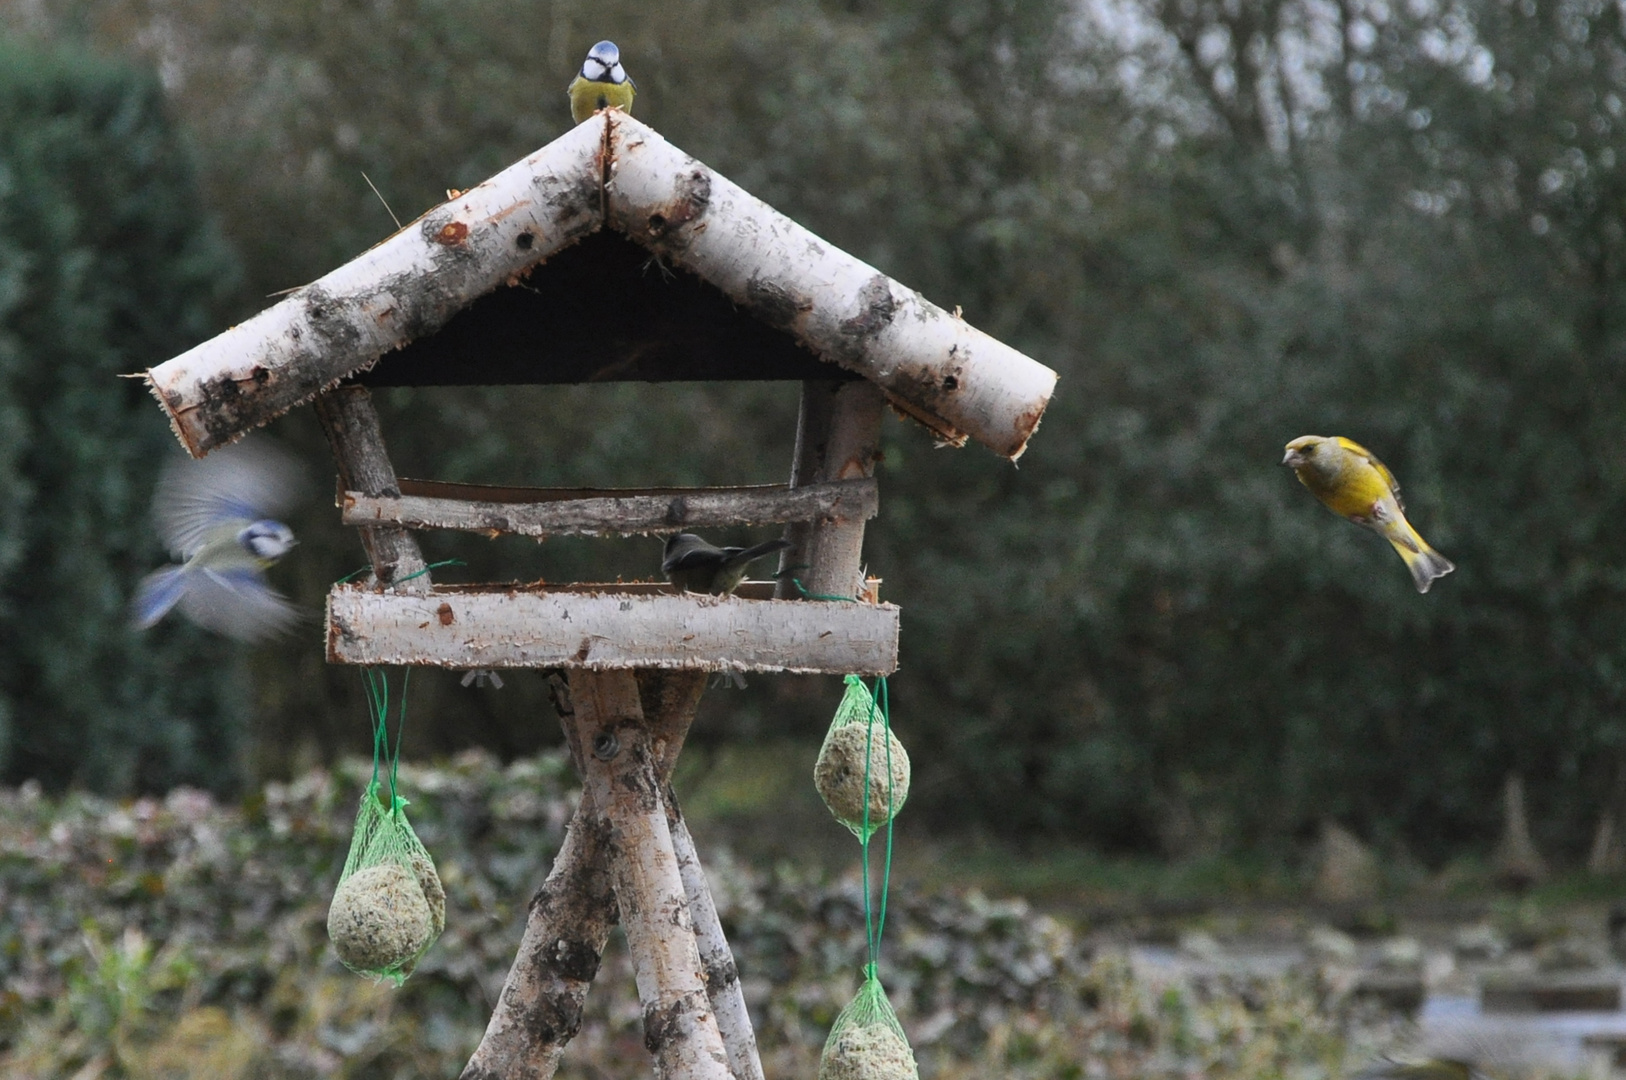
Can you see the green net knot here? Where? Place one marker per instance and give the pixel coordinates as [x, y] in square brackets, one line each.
[861, 754]
[867, 1042]
[389, 906]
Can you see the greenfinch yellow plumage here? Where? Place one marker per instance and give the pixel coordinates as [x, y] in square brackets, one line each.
[1356, 485]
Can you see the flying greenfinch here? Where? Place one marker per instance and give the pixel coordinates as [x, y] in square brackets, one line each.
[1356, 485]
[602, 83]
[693, 565]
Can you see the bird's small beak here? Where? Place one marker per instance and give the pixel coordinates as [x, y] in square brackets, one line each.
[1292, 458]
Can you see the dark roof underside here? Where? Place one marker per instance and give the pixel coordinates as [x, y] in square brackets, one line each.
[603, 310]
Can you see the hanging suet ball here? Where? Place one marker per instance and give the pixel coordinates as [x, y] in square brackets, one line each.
[866, 1042]
[838, 774]
[380, 917]
[868, 1053]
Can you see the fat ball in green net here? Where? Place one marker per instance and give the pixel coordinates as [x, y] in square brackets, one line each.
[434, 893]
[389, 906]
[379, 918]
[859, 739]
[867, 1042]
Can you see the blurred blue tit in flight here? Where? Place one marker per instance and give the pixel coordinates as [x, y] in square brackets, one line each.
[602, 83]
[1354, 484]
[215, 515]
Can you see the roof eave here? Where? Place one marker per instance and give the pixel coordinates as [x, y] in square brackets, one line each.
[935, 367]
[404, 287]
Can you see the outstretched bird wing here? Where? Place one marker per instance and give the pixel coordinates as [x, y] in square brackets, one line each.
[243, 482]
[238, 603]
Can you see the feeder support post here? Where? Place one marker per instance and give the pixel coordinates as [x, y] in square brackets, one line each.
[838, 437]
[621, 761]
[351, 425]
[570, 918]
[670, 699]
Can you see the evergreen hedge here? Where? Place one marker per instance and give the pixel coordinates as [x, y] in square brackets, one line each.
[108, 264]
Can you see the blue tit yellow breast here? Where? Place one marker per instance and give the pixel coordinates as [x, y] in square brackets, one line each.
[587, 97]
[224, 552]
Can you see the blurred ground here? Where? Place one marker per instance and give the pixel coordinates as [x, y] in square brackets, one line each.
[177, 937]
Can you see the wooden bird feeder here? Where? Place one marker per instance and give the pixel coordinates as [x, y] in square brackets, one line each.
[537, 277]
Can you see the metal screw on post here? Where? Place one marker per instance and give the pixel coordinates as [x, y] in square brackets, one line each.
[606, 745]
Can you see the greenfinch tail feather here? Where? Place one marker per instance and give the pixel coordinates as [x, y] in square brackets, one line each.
[1425, 565]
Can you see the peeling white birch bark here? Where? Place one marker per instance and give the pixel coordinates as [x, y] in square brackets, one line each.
[540, 1007]
[716, 959]
[405, 287]
[620, 770]
[838, 437]
[933, 365]
[955, 379]
[516, 628]
[608, 513]
[350, 422]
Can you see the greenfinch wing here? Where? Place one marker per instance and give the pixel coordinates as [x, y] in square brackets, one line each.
[1383, 470]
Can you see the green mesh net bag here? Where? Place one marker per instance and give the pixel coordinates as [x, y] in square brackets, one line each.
[860, 754]
[867, 1042]
[863, 775]
[389, 906]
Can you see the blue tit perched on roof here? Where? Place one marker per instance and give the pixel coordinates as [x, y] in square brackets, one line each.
[602, 83]
[215, 516]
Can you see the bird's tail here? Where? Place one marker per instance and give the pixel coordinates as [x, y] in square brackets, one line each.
[156, 595]
[1424, 562]
[752, 554]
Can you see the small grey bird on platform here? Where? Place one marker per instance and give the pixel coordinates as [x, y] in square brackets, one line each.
[696, 566]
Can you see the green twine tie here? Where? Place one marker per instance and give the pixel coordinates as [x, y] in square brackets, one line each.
[873, 927]
[432, 566]
[377, 685]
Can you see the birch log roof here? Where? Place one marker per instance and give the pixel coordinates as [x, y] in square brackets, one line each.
[607, 255]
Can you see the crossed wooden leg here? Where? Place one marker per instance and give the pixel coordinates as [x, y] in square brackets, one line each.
[627, 852]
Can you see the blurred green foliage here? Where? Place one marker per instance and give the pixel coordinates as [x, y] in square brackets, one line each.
[177, 938]
[1225, 224]
[106, 265]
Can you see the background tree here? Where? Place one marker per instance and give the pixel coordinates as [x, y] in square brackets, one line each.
[105, 267]
[1226, 224]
